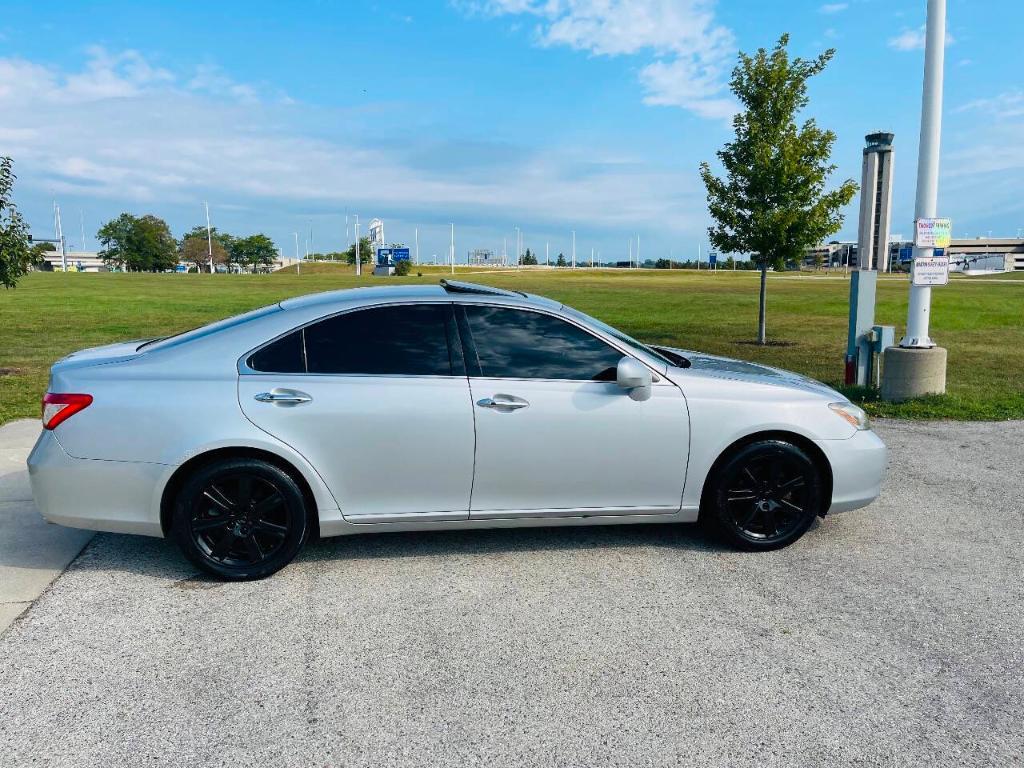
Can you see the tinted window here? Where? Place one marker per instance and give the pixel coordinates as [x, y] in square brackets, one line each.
[516, 344]
[282, 356]
[409, 340]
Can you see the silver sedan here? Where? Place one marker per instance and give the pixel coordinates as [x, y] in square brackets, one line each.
[433, 407]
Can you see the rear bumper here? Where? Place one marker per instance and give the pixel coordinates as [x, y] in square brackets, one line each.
[116, 496]
[858, 468]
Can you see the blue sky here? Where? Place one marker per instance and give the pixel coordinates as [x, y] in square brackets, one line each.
[550, 115]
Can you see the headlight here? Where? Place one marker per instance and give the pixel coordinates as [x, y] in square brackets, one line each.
[851, 414]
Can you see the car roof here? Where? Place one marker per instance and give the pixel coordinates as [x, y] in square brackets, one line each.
[451, 290]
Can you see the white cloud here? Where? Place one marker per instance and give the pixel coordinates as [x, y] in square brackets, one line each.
[833, 7]
[913, 40]
[692, 52]
[1000, 107]
[124, 131]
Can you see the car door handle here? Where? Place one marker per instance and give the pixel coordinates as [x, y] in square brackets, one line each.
[503, 403]
[283, 397]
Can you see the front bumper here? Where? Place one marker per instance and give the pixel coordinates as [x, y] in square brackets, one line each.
[116, 496]
[858, 468]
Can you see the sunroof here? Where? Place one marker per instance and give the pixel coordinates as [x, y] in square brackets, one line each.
[456, 286]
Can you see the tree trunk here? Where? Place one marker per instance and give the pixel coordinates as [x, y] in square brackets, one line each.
[761, 335]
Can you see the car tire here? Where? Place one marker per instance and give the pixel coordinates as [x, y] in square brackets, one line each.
[764, 496]
[240, 519]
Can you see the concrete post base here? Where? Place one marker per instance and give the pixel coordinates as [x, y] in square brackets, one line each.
[908, 373]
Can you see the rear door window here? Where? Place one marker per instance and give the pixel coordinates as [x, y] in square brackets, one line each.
[407, 340]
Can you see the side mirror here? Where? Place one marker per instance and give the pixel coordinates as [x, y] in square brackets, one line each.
[635, 377]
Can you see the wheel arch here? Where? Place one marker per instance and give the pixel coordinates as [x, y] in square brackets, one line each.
[181, 474]
[800, 441]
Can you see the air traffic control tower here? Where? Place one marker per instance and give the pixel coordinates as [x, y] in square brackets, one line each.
[865, 341]
[875, 202]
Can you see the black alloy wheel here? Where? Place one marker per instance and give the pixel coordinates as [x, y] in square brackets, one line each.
[240, 519]
[767, 495]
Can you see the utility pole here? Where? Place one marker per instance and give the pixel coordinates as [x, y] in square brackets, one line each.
[296, 252]
[451, 249]
[416, 235]
[631, 253]
[917, 366]
[59, 231]
[209, 236]
[638, 251]
[574, 249]
[81, 216]
[591, 257]
[359, 259]
[547, 254]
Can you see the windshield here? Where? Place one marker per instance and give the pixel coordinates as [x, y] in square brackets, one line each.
[618, 335]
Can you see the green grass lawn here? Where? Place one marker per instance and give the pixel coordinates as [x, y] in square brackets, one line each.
[980, 323]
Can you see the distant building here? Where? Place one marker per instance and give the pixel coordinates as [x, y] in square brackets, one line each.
[481, 257]
[376, 234]
[1005, 253]
[77, 261]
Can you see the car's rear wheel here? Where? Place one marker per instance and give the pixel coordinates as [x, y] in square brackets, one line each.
[240, 518]
[765, 496]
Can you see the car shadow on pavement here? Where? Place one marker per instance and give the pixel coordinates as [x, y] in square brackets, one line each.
[511, 540]
[161, 559]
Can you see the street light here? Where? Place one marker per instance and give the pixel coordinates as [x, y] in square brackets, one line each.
[918, 367]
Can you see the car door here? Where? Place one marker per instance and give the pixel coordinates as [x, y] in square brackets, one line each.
[377, 400]
[555, 435]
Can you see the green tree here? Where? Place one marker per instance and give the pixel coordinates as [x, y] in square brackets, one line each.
[772, 202]
[403, 267]
[15, 256]
[138, 243]
[561, 261]
[528, 259]
[254, 251]
[365, 252]
[195, 249]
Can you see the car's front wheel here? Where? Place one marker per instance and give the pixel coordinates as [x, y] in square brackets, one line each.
[240, 518]
[765, 495]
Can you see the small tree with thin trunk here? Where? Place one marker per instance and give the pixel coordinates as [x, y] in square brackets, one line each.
[772, 201]
[15, 255]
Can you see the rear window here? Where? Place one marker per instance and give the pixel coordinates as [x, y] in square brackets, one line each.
[407, 340]
[206, 330]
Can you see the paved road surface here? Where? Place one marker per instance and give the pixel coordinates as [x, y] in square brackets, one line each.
[888, 636]
[32, 553]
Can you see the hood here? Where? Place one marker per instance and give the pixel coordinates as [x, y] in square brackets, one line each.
[740, 370]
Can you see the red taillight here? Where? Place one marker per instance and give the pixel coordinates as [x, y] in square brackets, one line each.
[60, 407]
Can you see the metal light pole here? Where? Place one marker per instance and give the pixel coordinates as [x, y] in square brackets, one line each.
[296, 252]
[417, 236]
[547, 254]
[452, 249]
[209, 236]
[917, 367]
[574, 249]
[359, 259]
[927, 167]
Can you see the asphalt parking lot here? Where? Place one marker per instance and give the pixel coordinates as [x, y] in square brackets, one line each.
[892, 635]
